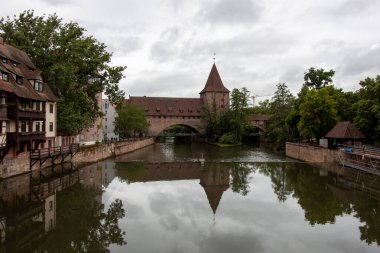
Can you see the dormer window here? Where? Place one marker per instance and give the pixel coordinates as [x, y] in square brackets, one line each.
[4, 76]
[4, 60]
[14, 63]
[18, 79]
[38, 85]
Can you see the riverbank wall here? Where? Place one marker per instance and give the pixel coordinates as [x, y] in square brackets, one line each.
[10, 167]
[310, 154]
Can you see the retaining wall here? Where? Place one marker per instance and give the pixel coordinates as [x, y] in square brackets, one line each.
[14, 166]
[310, 154]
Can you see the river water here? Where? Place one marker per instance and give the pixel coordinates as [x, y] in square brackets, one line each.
[192, 198]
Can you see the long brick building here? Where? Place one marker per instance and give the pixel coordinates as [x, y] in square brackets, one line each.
[164, 112]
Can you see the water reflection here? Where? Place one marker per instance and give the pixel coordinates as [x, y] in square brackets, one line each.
[58, 209]
[323, 195]
[189, 206]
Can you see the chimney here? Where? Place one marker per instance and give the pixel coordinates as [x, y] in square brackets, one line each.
[1, 41]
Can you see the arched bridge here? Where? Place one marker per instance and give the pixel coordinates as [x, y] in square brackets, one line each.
[163, 113]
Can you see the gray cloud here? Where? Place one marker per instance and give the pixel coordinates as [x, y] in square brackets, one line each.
[167, 48]
[241, 241]
[122, 46]
[231, 12]
[355, 7]
[57, 2]
[161, 83]
[361, 61]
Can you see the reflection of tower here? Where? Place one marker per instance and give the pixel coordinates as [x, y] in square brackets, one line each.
[215, 179]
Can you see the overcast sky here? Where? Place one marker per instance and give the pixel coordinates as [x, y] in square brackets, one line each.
[168, 45]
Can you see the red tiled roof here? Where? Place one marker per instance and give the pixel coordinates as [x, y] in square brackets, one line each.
[260, 117]
[15, 54]
[24, 69]
[345, 130]
[165, 106]
[214, 82]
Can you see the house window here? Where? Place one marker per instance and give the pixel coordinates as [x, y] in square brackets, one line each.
[18, 79]
[38, 106]
[50, 143]
[23, 126]
[50, 205]
[2, 99]
[38, 85]
[38, 126]
[23, 104]
[5, 76]
[51, 126]
[51, 109]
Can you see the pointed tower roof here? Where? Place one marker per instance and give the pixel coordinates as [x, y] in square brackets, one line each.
[214, 195]
[214, 82]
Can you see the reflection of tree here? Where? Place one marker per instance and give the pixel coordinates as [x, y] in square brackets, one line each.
[130, 172]
[317, 200]
[278, 174]
[367, 211]
[82, 226]
[239, 178]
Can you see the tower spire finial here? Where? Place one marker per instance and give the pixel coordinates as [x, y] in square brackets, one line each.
[214, 57]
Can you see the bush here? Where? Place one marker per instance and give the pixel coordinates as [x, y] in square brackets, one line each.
[227, 138]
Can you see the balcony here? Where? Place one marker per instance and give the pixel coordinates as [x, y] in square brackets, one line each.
[25, 136]
[13, 112]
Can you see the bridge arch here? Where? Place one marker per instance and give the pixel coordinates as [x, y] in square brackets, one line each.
[156, 126]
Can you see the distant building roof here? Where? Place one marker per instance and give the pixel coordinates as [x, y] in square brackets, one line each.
[258, 117]
[345, 130]
[214, 82]
[157, 106]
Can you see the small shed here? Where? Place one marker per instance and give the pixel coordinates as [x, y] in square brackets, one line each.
[344, 133]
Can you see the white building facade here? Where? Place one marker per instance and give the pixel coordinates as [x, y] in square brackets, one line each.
[110, 114]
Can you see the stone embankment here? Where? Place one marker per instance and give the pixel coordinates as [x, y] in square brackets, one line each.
[310, 154]
[88, 154]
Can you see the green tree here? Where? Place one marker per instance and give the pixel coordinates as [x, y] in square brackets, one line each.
[75, 66]
[239, 112]
[281, 105]
[131, 120]
[368, 108]
[82, 226]
[262, 108]
[213, 119]
[317, 114]
[240, 178]
[318, 78]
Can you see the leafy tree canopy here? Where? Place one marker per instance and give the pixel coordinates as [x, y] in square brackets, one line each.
[318, 78]
[131, 120]
[280, 106]
[75, 66]
[317, 114]
[367, 108]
